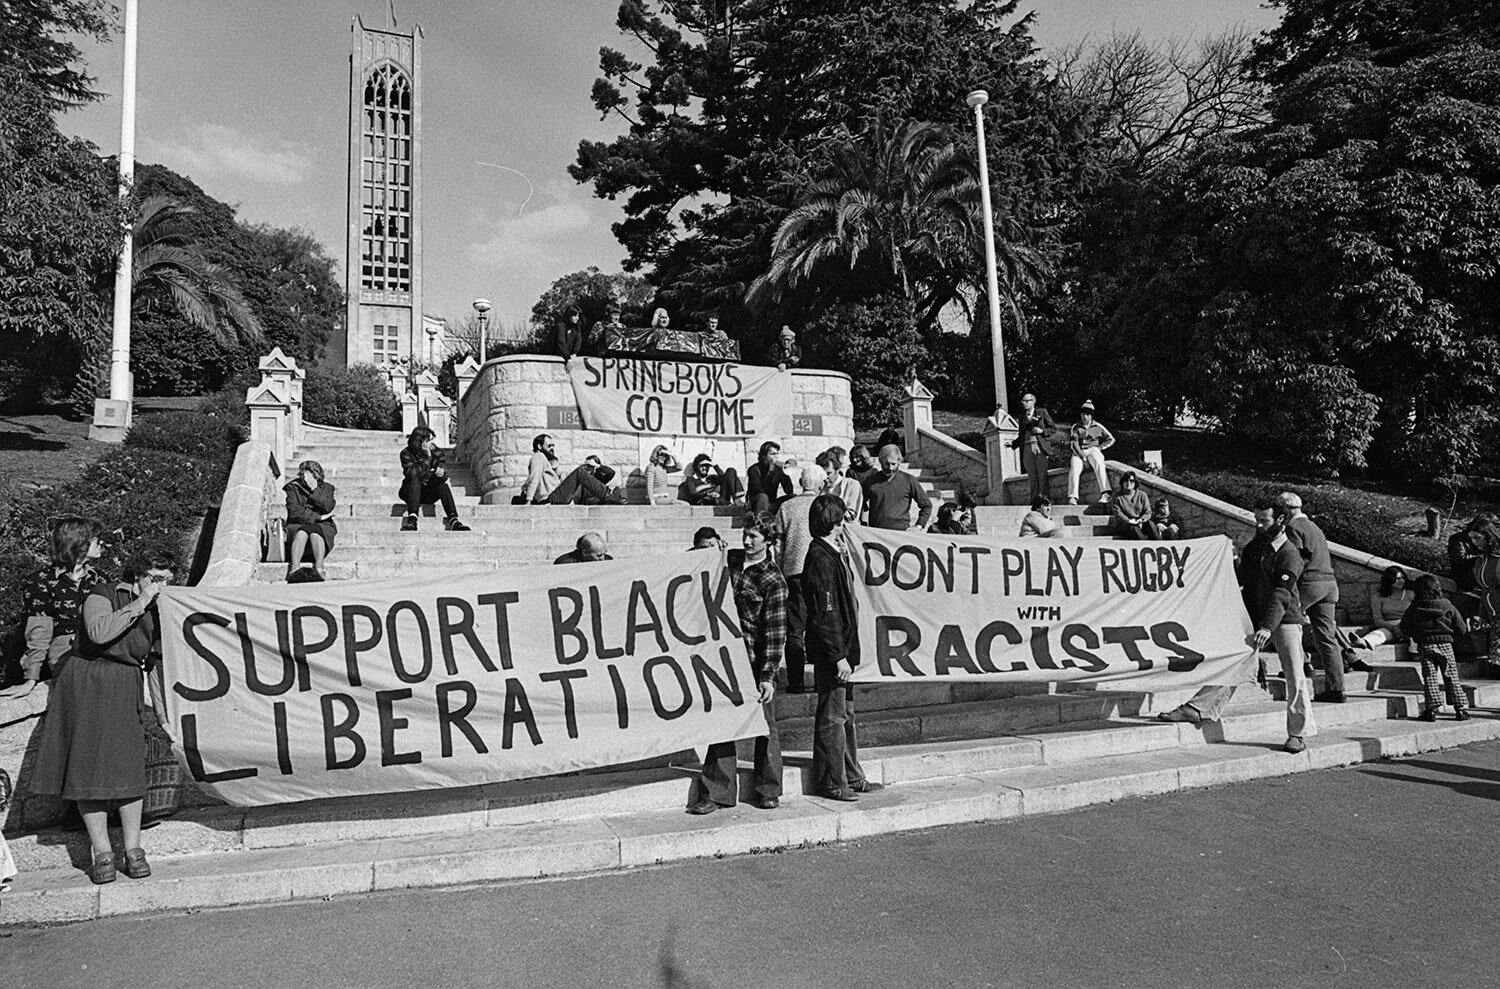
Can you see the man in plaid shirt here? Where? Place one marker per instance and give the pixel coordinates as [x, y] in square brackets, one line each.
[760, 594]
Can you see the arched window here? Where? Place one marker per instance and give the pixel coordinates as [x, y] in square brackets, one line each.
[386, 178]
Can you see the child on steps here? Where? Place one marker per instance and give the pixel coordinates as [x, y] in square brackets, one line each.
[1432, 623]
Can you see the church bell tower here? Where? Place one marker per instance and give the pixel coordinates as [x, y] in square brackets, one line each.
[383, 274]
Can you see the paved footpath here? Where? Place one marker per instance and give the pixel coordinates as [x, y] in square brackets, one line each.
[1378, 875]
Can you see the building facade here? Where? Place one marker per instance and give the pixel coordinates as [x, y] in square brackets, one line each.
[383, 276]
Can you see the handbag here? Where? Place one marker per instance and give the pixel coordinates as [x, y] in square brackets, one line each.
[163, 774]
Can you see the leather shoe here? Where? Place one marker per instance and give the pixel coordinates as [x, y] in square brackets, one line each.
[104, 868]
[136, 866]
[1428, 715]
[702, 807]
[867, 786]
[1177, 714]
[767, 803]
[1294, 744]
[1461, 714]
[845, 795]
[1329, 697]
[1361, 666]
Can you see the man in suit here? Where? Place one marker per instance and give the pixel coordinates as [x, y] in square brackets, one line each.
[832, 642]
[1034, 442]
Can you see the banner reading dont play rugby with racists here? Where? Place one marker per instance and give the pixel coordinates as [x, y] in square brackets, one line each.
[1130, 614]
[283, 693]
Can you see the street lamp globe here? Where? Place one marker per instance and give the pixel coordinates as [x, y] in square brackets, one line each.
[482, 307]
[977, 98]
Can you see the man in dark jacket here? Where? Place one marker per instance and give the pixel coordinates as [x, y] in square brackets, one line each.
[570, 332]
[1319, 592]
[1278, 620]
[832, 642]
[1035, 443]
[425, 480]
[766, 484]
[590, 548]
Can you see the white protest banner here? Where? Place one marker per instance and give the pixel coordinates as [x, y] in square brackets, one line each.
[280, 693]
[682, 398]
[1132, 614]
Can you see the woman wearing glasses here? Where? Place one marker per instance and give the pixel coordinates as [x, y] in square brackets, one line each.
[93, 747]
[1130, 509]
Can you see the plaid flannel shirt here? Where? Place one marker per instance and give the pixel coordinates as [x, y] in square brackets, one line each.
[760, 595]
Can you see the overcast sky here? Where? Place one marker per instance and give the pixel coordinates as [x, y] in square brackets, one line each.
[250, 100]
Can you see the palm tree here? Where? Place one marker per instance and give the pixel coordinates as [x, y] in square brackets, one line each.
[169, 268]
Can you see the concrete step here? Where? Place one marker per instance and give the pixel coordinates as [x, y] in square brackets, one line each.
[469, 850]
[1405, 683]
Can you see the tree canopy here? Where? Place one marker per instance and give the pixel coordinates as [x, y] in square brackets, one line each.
[35, 43]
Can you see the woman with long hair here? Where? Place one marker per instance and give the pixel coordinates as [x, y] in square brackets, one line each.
[93, 746]
[309, 518]
[51, 601]
[659, 491]
[1130, 509]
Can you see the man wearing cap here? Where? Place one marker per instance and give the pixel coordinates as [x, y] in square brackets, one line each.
[788, 351]
[1087, 441]
[1034, 442]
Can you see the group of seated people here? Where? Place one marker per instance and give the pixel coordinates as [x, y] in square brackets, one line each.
[1133, 515]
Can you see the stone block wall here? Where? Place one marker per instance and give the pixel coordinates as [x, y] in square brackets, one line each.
[950, 458]
[508, 404]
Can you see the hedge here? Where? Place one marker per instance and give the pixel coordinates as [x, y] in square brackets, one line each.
[149, 493]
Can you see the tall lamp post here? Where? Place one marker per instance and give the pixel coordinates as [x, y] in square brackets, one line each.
[112, 416]
[977, 100]
[482, 307]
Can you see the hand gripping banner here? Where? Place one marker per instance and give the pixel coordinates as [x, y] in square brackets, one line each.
[281, 693]
[682, 398]
[1130, 614]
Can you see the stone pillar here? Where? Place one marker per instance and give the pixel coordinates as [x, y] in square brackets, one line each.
[439, 411]
[916, 415]
[400, 383]
[299, 376]
[270, 419]
[424, 386]
[1003, 461]
[465, 371]
[411, 412]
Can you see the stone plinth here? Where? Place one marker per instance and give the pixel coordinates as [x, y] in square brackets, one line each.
[514, 398]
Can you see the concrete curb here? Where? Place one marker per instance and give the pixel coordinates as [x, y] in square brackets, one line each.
[619, 841]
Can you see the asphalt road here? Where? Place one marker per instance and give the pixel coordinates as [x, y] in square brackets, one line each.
[1376, 876]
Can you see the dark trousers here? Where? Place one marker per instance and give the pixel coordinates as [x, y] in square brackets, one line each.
[416, 494]
[1318, 601]
[1035, 463]
[835, 764]
[796, 633]
[721, 767]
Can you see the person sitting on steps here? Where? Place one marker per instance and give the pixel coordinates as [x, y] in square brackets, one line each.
[587, 485]
[426, 481]
[590, 548]
[705, 484]
[309, 521]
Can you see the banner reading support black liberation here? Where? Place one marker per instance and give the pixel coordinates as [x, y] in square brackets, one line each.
[1141, 615]
[682, 398]
[376, 687]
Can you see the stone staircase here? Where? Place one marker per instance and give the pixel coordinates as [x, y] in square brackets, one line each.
[948, 752]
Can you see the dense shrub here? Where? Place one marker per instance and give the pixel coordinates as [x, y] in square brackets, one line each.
[145, 499]
[191, 433]
[876, 343]
[357, 397]
[1346, 515]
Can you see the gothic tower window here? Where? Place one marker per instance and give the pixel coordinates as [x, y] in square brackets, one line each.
[386, 181]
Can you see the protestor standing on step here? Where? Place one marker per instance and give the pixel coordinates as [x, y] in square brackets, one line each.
[1278, 622]
[794, 535]
[1320, 594]
[1087, 441]
[1035, 443]
[590, 548]
[1129, 509]
[570, 332]
[310, 502]
[766, 484]
[93, 744]
[52, 600]
[832, 637]
[1433, 623]
[761, 597]
[860, 464]
[542, 473]
[890, 493]
[426, 481]
[840, 483]
[588, 484]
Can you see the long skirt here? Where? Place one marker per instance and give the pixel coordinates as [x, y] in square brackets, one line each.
[94, 736]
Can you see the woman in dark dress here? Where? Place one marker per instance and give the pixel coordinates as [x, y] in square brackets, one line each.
[93, 747]
[51, 601]
[309, 518]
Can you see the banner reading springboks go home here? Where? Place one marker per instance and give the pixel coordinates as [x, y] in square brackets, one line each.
[682, 398]
[281, 693]
[1130, 614]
